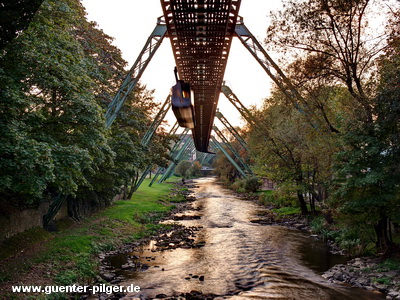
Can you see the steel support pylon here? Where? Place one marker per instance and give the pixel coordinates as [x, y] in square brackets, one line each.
[232, 130]
[270, 67]
[218, 146]
[233, 150]
[134, 74]
[175, 160]
[172, 151]
[157, 121]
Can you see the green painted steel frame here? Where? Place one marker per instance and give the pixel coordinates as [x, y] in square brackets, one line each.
[160, 116]
[233, 150]
[270, 67]
[172, 151]
[134, 74]
[246, 114]
[232, 130]
[176, 159]
[231, 160]
[157, 121]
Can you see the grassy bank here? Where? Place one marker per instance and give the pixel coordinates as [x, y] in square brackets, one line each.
[38, 257]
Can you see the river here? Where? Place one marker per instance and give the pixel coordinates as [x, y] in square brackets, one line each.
[240, 259]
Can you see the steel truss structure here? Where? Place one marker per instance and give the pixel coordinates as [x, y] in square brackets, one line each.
[242, 163]
[201, 33]
[232, 130]
[134, 74]
[218, 146]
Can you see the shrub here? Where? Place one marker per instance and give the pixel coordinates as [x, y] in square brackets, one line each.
[239, 185]
[277, 199]
[252, 184]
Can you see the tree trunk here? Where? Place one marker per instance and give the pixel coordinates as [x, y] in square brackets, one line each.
[302, 202]
[383, 242]
[125, 190]
[134, 181]
[300, 196]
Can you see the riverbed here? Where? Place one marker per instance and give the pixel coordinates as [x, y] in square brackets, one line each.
[232, 256]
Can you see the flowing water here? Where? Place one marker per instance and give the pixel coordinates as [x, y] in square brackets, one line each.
[240, 259]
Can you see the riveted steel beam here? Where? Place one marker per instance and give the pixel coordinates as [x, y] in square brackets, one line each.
[233, 150]
[134, 74]
[232, 130]
[231, 160]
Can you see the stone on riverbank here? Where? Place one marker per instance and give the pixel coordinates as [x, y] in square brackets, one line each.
[365, 273]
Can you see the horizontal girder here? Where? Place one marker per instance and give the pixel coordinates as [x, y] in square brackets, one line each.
[201, 33]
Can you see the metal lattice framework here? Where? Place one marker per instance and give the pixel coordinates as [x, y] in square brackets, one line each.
[201, 33]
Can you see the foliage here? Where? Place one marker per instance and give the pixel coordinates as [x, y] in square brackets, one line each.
[196, 168]
[15, 17]
[246, 185]
[57, 77]
[278, 198]
[183, 168]
[337, 147]
[54, 133]
[285, 211]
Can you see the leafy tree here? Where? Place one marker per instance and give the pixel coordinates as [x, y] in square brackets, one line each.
[183, 168]
[336, 65]
[196, 168]
[57, 77]
[56, 124]
[368, 175]
[334, 40]
[15, 17]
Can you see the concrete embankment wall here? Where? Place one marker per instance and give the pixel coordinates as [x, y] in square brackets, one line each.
[16, 221]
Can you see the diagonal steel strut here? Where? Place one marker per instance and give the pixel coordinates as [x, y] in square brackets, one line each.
[218, 146]
[233, 150]
[232, 130]
[270, 67]
[134, 74]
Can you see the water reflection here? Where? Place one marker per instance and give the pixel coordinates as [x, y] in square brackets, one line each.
[240, 259]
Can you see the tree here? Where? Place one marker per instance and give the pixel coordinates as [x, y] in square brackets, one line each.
[196, 168]
[183, 168]
[15, 17]
[49, 110]
[334, 47]
[368, 174]
[334, 39]
[57, 78]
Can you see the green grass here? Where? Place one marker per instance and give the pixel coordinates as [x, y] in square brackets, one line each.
[286, 210]
[390, 264]
[23, 240]
[70, 253]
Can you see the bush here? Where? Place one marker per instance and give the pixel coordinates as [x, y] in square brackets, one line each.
[277, 199]
[238, 185]
[252, 184]
[246, 185]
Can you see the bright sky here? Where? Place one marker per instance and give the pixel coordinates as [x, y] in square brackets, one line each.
[130, 23]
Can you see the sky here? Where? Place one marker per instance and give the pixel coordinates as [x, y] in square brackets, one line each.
[130, 23]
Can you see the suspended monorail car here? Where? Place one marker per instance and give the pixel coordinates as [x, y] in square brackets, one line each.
[182, 106]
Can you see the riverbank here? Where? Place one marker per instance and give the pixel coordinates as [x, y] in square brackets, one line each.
[69, 256]
[372, 273]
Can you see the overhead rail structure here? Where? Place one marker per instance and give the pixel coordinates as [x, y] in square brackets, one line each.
[201, 34]
[232, 130]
